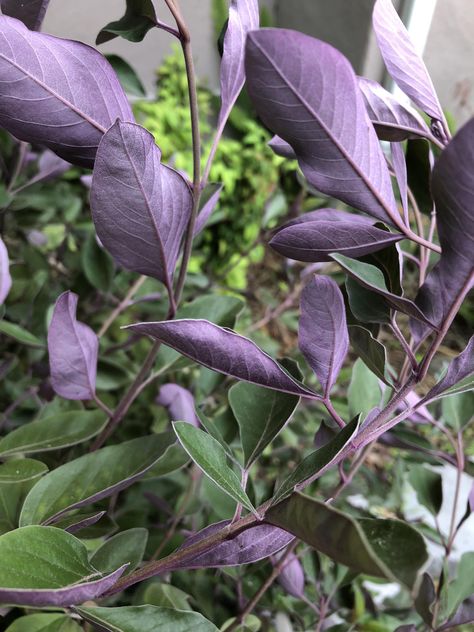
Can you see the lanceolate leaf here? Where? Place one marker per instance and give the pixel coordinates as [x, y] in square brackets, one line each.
[323, 336]
[370, 350]
[452, 186]
[281, 148]
[140, 207]
[316, 240]
[224, 351]
[73, 349]
[44, 622]
[252, 545]
[39, 103]
[243, 17]
[316, 463]
[306, 92]
[5, 278]
[44, 566]
[92, 477]
[383, 548]
[30, 12]
[209, 200]
[291, 577]
[210, 456]
[372, 278]
[392, 120]
[146, 619]
[402, 60]
[53, 433]
[460, 368]
[261, 413]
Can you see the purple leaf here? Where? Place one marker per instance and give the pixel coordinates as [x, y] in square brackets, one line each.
[57, 92]
[224, 351]
[252, 545]
[73, 349]
[179, 402]
[402, 60]
[30, 12]
[243, 17]
[460, 368]
[323, 335]
[306, 92]
[463, 616]
[84, 522]
[400, 169]
[316, 240]
[50, 166]
[5, 278]
[208, 207]
[291, 578]
[452, 186]
[141, 207]
[392, 120]
[281, 148]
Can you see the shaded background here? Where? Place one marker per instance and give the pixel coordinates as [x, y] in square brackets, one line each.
[441, 28]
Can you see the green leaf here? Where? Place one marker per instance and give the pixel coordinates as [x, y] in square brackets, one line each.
[44, 622]
[373, 279]
[47, 566]
[129, 79]
[317, 461]
[139, 18]
[173, 459]
[261, 413]
[364, 392]
[97, 264]
[166, 596]
[365, 305]
[458, 409]
[52, 433]
[428, 486]
[92, 477]
[16, 480]
[382, 548]
[370, 351]
[18, 333]
[210, 457]
[214, 431]
[146, 619]
[388, 261]
[127, 547]
[461, 587]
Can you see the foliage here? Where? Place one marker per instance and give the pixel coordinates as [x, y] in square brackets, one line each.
[158, 484]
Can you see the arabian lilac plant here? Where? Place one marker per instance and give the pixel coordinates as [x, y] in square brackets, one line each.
[64, 96]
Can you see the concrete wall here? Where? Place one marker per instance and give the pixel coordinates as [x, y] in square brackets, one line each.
[83, 19]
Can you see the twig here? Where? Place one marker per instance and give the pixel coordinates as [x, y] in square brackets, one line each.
[122, 305]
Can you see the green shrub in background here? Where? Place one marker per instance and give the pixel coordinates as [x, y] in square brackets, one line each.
[251, 173]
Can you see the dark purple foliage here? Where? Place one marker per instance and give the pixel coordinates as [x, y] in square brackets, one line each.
[291, 577]
[323, 335]
[224, 351]
[452, 186]
[40, 104]
[252, 545]
[306, 92]
[30, 12]
[73, 349]
[460, 368]
[140, 207]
